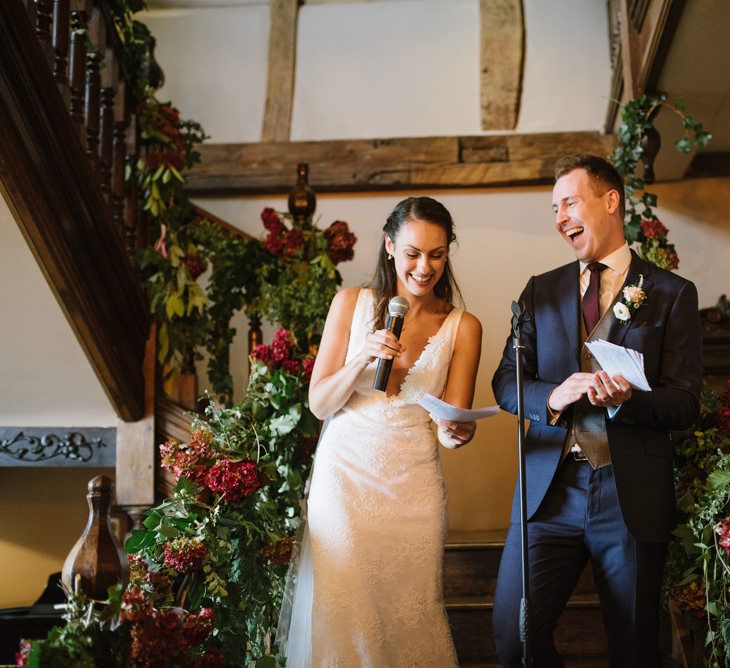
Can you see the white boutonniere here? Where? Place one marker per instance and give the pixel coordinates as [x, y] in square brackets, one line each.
[633, 296]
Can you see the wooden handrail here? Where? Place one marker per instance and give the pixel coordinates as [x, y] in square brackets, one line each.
[52, 166]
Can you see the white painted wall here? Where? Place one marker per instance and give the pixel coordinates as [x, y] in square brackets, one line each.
[45, 377]
[381, 69]
[215, 64]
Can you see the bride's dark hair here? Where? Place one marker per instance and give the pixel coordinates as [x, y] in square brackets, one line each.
[385, 281]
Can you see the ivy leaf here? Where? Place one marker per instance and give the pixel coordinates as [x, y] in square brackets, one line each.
[683, 145]
[139, 540]
[719, 480]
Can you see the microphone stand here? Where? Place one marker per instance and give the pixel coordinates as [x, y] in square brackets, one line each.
[518, 318]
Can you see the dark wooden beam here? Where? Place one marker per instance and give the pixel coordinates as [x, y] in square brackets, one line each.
[48, 184]
[389, 164]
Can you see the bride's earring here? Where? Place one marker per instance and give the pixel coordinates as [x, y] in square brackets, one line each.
[390, 257]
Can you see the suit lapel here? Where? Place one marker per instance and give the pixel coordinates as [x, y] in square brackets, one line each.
[567, 291]
[637, 268]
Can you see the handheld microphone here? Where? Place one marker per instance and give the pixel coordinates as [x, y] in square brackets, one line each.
[397, 309]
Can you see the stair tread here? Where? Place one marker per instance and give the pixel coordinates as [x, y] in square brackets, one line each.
[582, 663]
[486, 602]
[465, 540]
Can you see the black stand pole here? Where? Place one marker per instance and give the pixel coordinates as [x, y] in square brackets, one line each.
[519, 316]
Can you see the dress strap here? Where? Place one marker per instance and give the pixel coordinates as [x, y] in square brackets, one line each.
[362, 321]
[455, 314]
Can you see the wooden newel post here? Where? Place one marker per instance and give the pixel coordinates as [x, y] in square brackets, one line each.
[96, 558]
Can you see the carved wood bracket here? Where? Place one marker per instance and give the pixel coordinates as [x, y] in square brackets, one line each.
[57, 446]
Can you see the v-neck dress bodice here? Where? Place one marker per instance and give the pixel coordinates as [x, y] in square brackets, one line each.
[377, 518]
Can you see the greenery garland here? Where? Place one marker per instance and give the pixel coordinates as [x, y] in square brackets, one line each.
[642, 227]
[698, 573]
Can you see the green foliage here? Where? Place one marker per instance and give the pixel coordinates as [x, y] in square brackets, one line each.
[698, 574]
[233, 284]
[246, 541]
[298, 295]
[91, 636]
[641, 225]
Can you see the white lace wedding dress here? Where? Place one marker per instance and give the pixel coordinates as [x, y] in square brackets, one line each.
[377, 524]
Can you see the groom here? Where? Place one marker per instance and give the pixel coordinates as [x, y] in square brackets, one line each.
[599, 453]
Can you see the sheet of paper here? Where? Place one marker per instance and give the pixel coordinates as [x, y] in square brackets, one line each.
[445, 411]
[619, 360]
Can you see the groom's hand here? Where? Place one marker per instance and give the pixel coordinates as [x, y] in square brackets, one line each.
[573, 388]
[609, 391]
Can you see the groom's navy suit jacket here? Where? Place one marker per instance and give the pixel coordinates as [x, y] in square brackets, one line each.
[666, 329]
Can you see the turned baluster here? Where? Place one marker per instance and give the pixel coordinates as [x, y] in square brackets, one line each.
[91, 106]
[93, 89]
[119, 160]
[61, 10]
[43, 22]
[77, 66]
[108, 80]
[131, 205]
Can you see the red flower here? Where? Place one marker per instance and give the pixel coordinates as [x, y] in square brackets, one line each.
[271, 220]
[274, 244]
[234, 480]
[196, 628]
[23, 654]
[654, 229]
[293, 242]
[281, 347]
[135, 605]
[722, 529]
[189, 461]
[279, 553]
[291, 366]
[340, 242]
[307, 367]
[262, 353]
[184, 555]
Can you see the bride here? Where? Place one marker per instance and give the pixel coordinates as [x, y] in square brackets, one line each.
[368, 591]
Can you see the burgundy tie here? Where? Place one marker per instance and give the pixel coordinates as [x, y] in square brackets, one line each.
[591, 306]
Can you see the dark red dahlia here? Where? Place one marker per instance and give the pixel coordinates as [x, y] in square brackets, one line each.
[340, 242]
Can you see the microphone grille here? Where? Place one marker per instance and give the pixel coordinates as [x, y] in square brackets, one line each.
[398, 307]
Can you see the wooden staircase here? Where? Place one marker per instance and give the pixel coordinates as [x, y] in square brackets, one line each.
[471, 565]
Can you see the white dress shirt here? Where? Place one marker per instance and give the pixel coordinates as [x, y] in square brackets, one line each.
[612, 278]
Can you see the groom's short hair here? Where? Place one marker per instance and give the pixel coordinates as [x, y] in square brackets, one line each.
[599, 170]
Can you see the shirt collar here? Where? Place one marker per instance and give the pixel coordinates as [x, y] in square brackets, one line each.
[618, 261]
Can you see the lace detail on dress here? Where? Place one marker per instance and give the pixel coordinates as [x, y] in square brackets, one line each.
[377, 519]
